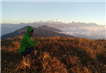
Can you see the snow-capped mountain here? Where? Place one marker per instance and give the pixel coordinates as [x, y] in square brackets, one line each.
[53, 21]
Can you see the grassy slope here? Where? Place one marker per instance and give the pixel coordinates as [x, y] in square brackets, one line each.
[56, 54]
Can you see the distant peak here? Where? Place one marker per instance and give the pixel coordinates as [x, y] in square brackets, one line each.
[56, 20]
[42, 21]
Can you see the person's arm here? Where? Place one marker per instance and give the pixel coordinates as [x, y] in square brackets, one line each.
[35, 42]
[30, 43]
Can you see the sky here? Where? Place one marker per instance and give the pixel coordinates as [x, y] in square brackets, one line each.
[17, 12]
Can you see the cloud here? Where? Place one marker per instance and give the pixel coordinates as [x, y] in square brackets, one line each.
[97, 32]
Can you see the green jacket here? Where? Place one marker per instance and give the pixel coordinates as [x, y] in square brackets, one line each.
[26, 40]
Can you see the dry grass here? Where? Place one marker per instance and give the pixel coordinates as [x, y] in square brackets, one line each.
[55, 55]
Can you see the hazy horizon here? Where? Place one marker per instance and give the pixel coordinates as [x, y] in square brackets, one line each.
[52, 20]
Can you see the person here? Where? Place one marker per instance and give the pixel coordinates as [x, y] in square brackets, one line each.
[26, 45]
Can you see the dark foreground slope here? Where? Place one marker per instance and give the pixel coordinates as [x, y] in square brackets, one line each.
[55, 55]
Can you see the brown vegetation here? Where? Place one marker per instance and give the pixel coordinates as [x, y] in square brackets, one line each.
[55, 55]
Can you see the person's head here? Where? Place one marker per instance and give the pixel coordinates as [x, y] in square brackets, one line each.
[31, 33]
[30, 30]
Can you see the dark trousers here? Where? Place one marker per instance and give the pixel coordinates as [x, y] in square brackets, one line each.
[28, 51]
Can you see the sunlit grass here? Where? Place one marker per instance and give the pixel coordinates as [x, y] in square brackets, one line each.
[55, 55]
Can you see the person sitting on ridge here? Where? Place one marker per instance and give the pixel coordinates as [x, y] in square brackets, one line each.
[26, 45]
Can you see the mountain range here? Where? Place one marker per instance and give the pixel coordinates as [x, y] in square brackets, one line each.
[43, 31]
[56, 23]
